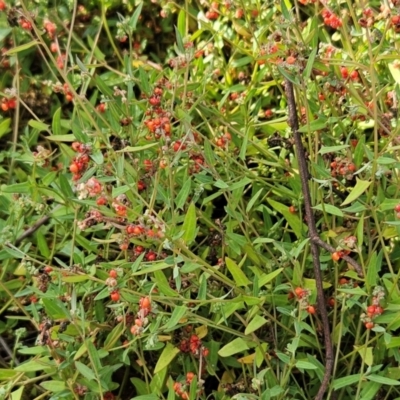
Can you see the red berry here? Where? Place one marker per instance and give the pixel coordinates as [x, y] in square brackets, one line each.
[336, 256]
[113, 273]
[123, 246]
[344, 72]
[396, 19]
[311, 309]
[354, 76]
[299, 292]
[151, 256]
[2, 5]
[74, 168]
[378, 310]
[101, 201]
[145, 303]
[211, 15]
[369, 325]
[397, 208]
[292, 210]
[189, 377]
[291, 60]
[371, 310]
[115, 296]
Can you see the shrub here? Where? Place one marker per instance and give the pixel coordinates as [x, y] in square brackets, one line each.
[155, 242]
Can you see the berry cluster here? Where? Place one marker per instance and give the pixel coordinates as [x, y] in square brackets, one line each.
[331, 19]
[141, 317]
[375, 309]
[192, 344]
[302, 296]
[181, 389]
[8, 104]
[81, 161]
[342, 167]
[396, 23]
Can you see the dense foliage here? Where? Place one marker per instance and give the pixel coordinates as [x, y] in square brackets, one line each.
[153, 241]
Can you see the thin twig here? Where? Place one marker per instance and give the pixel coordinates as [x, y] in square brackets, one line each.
[32, 229]
[315, 240]
[313, 233]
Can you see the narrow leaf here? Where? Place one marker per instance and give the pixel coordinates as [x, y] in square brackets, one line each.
[189, 225]
[238, 275]
[178, 313]
[357, 191]
[257, 322]
[236, 346]
[166, 357]
[264, 279]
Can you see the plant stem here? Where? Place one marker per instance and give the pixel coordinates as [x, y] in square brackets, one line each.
[315, 239]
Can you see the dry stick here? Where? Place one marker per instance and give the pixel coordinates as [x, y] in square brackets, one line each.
[315, 239]
[32, 229]
[301, 155]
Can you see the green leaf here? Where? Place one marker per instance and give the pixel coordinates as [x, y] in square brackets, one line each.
[85, 371]
[144, 81]
[135, 17]
[183, 194]
[346, 381]
[208, 153]
[54, 386]
[288, 76]
[176, 316]
[17, 394]
[75, 278]
[40, 126]
[285, 11]
[163, 285]
[100, 84]
[113, 336]
[4, 32]
[374, 267]
[238, 275]
[39, 364]
[56, 124]
[168, 354]
[179, 41]
[332, 149]
[256, 323]
[236, 346]
[7, 373]
[146, 397]
[366, 354]
[135, 149]
[182, 22]
[305, 365]
[5, 126]
[264, 279]
[55, 309]
[140, 386]
[394, 70]
[357, 191]
[93, 355]
[62, 138]
[330, 209]
[293, 220]
[382, 380]
[189, 225]
[23, 187]
[252, 201]
[23, 47]
[314, 126]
